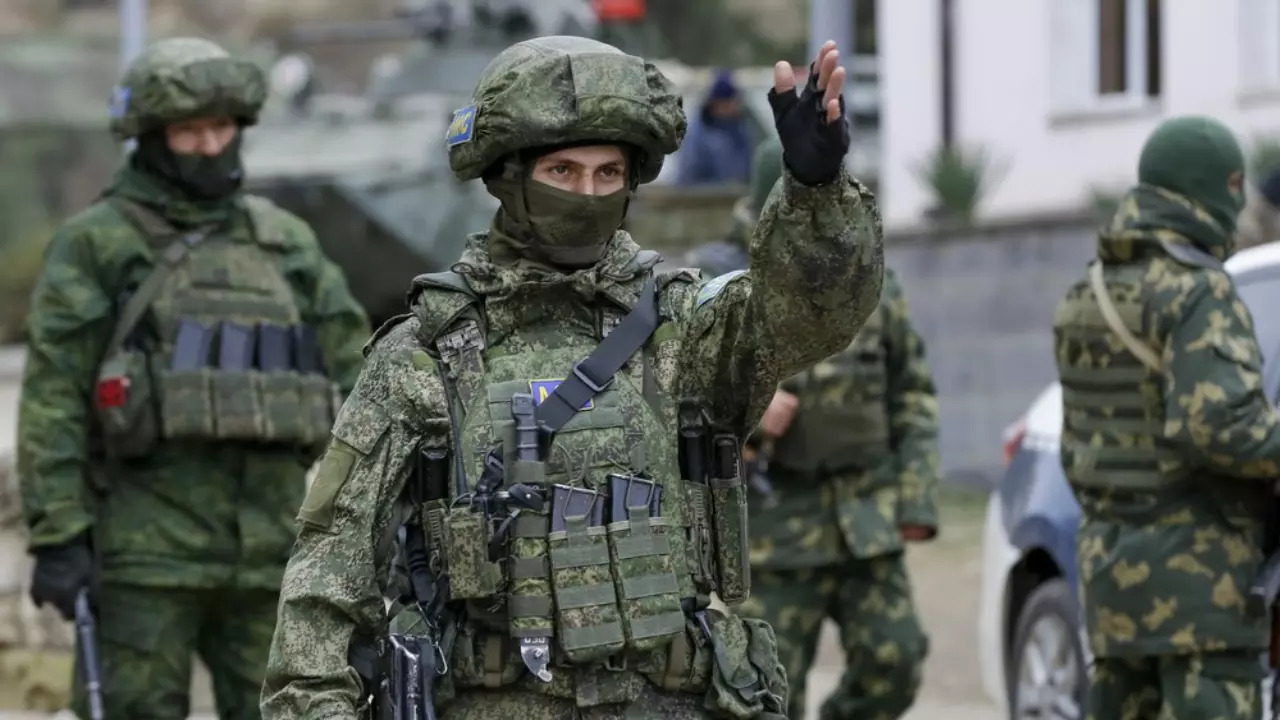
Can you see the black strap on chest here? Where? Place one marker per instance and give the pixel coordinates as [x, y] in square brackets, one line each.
[594, 373]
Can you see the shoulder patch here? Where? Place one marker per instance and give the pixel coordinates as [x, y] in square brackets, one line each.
[462, 126]
[717, 284]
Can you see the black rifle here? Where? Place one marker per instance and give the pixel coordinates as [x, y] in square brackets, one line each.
[409, 665]
[86, 629]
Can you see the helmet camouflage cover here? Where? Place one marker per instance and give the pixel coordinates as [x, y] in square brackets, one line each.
[181, 78]
[560, 90]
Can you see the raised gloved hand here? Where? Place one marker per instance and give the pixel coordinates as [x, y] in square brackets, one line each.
[812, 126]
[61, 572]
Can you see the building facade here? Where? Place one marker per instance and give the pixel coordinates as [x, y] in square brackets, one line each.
[1061, 93]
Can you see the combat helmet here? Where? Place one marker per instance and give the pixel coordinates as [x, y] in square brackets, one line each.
[562, 90]
[180, 78]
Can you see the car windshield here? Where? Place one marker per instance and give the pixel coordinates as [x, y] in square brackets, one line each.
[1260, 290]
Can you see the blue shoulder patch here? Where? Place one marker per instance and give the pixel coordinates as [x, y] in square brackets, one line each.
[460, 129]
[120, 101]
[715, 285]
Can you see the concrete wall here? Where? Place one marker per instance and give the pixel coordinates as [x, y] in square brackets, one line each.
[983, 301]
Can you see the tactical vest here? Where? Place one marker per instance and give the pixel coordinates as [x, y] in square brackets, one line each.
[842, 420]
[1112, 396]
[609, 566]
[211, 346]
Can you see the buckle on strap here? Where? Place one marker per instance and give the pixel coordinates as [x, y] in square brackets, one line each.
[590, 382]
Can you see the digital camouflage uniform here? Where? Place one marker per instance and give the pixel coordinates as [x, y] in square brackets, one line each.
[621, 643]
[847, 563]
[1172, 458]
[188, 498]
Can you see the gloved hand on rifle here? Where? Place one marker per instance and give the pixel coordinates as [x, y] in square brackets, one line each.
[61, 572]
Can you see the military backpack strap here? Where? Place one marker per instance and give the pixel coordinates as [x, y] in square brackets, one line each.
[1143, 352]
[150, 224]
[591, 376]
[453, 325]
[266, 218]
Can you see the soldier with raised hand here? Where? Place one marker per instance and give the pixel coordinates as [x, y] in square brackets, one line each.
[555, 363]
[189, 344]
[1168, 440]
[852, 453]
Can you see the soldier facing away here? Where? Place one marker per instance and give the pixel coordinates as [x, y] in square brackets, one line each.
[607, 598]
[851, 450]
[176, 392]
[1168, 441]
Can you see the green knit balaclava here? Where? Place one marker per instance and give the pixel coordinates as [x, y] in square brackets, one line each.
[1195, 156]
[766, 168]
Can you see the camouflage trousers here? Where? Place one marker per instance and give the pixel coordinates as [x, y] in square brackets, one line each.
[1209, 686]
[147, 638]
[884, 645]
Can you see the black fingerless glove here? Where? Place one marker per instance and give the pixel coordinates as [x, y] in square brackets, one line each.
[812, 149]
[61, 572]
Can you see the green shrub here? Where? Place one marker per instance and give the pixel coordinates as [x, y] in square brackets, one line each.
[959, 178]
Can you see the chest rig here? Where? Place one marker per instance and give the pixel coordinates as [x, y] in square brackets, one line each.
[1113, 382]
[211, 345]
[567, 525]
[842, 421]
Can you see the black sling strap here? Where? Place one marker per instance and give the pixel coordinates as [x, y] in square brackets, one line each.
[591, 376]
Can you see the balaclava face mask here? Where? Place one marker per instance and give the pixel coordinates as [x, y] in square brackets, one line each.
[202, 177]
[565, 229]
[1195, 157]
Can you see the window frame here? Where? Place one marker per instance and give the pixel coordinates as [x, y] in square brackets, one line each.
[1075, 76]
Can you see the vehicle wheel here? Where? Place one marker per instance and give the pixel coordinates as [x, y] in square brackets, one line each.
[1048, 680]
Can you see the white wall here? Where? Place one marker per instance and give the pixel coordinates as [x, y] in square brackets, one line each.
[1002, 95]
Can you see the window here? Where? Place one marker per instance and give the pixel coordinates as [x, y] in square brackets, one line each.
[1259, 44]
[1104, 53]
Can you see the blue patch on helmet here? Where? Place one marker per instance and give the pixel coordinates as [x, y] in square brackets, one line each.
[716, 284]
[120, 101]
[462, 126]
[542, 390]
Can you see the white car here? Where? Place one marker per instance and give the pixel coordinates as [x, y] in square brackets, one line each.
[1031, 644]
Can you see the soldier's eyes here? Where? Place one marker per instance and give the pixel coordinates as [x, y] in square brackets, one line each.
[559, 170]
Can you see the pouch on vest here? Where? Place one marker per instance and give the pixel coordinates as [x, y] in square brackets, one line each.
[729, 521]
[125, 405]
[237, 399]
[471, 574]
[747, 680]
[642, 564]
[588, 626]
[319, 395]
[279, 386]
[529, 599]
[186, 399]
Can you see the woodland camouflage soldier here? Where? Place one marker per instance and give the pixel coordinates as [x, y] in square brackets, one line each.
[1168, 441]
[853, 460]
[161, 459]
[629, 591]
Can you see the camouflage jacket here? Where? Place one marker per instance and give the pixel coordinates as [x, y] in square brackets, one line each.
[183, 516]
[1165, 567]
[825, 520]
[821, 258]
